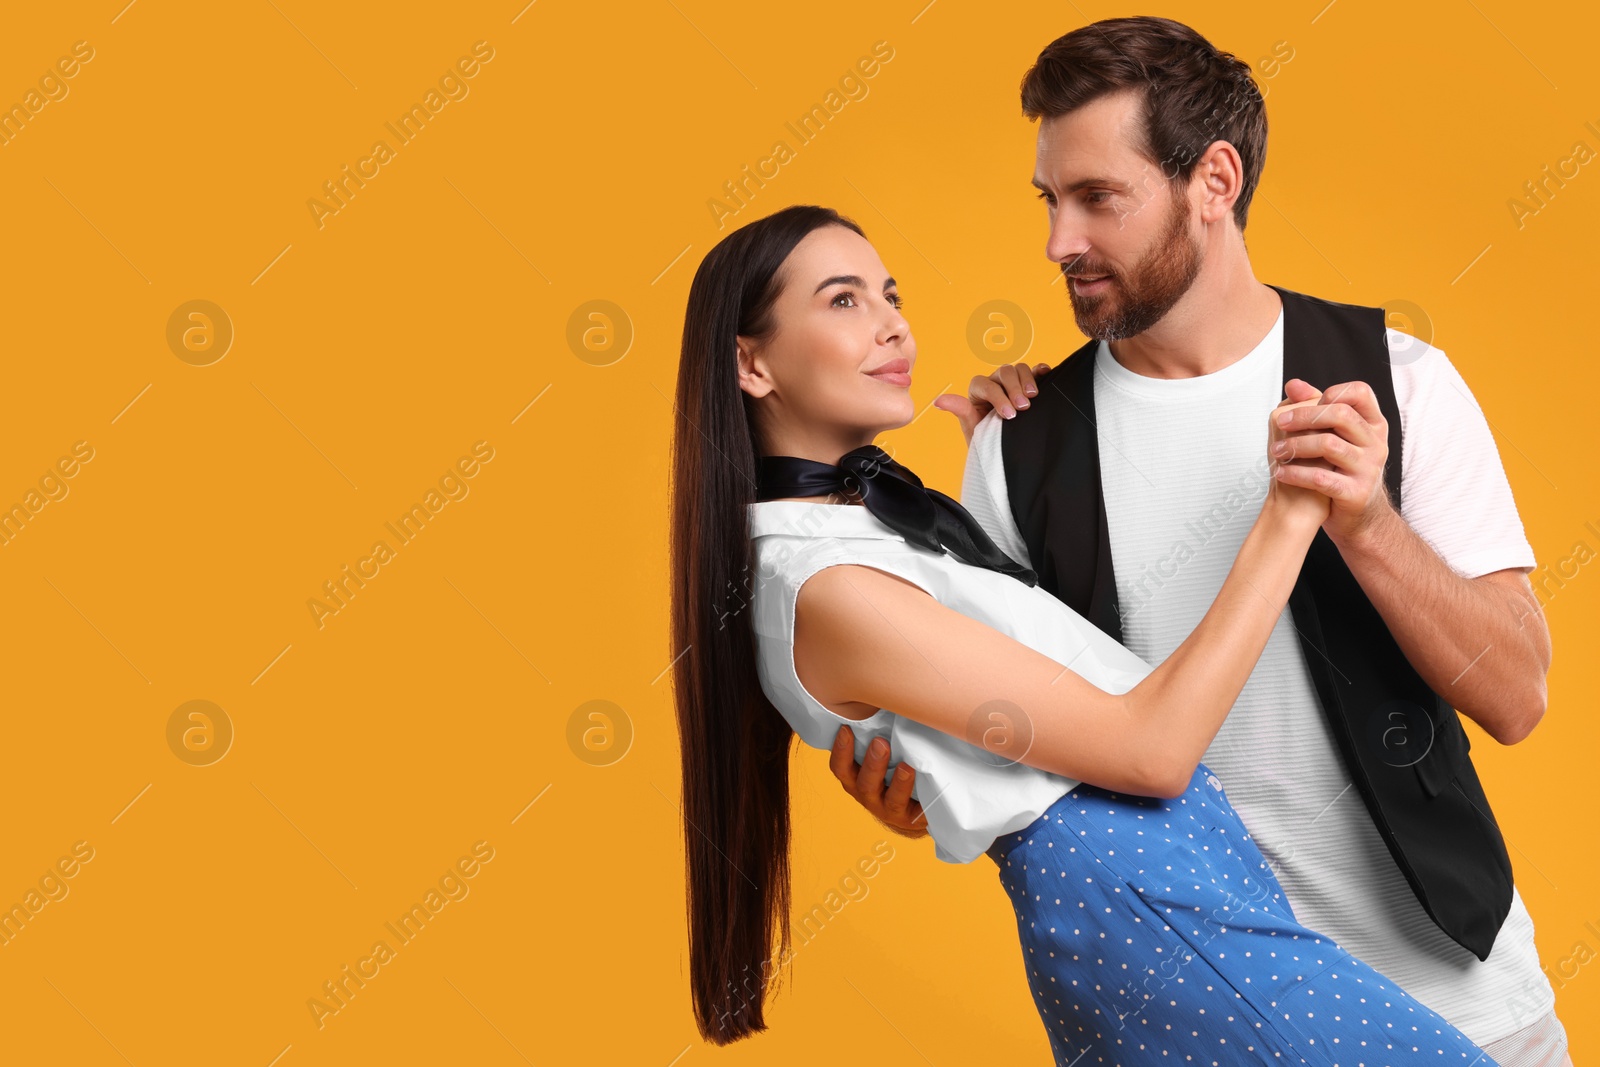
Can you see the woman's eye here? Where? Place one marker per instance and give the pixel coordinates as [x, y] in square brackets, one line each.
[893, 298]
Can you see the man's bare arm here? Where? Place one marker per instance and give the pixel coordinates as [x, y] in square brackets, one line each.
[1481, 643]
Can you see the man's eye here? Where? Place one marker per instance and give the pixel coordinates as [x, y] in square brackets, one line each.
[1098, 197]
[1047, 198]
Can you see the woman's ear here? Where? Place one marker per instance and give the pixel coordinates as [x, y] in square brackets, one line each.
[753, 377]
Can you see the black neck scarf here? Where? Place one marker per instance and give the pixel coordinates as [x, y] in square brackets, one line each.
[897, 497]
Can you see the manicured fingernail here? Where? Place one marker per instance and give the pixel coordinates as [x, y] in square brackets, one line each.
[1022, 403]
[1031, 391]
[1006, 412]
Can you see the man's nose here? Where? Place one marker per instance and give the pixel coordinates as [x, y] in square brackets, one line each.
[1066, 245]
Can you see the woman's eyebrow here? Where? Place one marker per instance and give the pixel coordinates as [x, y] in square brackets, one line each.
[848, 279]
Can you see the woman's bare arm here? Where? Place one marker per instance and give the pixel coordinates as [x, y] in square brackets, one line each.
[872, 638]
[866, 637]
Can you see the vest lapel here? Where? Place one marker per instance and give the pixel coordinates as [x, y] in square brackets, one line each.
[1065, 531]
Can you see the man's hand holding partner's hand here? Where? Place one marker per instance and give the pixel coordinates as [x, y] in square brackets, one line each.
[1337, 446]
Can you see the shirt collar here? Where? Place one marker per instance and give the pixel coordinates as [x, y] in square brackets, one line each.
[1253, 363]
[803, 518]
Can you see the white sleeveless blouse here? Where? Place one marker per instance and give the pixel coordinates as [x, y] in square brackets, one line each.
[970, 796]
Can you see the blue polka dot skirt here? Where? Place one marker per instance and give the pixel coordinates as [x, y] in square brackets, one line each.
[1154, 932]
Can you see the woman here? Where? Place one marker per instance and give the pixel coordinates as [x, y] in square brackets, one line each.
[818, 583]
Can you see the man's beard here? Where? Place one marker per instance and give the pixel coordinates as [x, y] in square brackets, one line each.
[1131, 305]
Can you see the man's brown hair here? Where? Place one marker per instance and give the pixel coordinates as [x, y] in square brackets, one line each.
[1191, 94]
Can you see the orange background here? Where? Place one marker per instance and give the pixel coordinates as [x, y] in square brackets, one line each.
[373, 348]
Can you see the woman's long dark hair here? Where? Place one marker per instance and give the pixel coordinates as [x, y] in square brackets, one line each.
[735, 744]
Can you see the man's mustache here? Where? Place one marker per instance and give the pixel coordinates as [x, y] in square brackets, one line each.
[1077, 269]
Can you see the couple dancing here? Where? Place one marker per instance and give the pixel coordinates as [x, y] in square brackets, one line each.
[1238, 453]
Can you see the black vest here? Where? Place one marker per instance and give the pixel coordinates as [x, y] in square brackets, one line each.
[1403, 746]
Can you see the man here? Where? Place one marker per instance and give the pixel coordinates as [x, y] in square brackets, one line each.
[1131, 483]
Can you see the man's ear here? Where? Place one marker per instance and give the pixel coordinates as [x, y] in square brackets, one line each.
[1221, 174]
[753, 378]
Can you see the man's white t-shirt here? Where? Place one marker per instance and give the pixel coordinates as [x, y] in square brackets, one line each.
[1183, 466]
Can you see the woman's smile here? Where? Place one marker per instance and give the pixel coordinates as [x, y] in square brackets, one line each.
[896, 372]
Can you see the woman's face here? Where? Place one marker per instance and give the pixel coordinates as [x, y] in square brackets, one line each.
[836, 370]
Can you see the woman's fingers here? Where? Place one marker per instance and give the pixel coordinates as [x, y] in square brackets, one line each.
[1017, 380]
[1276, 433]
[966, 413]
[986, 393]
[1298, 390]
[1007, 389]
